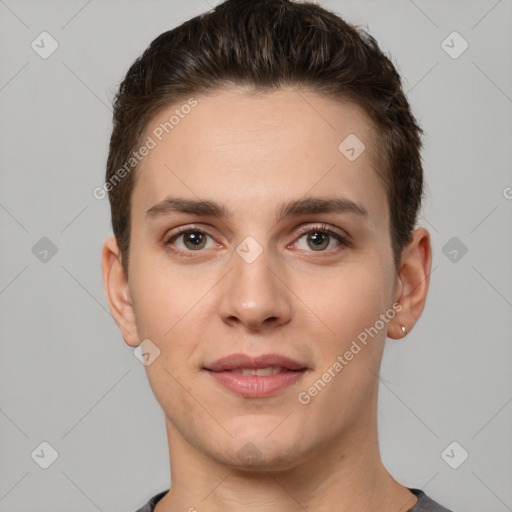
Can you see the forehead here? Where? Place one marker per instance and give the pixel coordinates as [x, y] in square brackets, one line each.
[251, 149]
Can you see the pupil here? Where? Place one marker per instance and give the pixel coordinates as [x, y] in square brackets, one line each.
[195, 239]
[320, 237]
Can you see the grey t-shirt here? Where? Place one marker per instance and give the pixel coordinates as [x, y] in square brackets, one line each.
[424, 504]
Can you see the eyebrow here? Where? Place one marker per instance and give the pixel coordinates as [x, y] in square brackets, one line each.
[310, 205]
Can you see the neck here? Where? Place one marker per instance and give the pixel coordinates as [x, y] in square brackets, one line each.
[343, 475]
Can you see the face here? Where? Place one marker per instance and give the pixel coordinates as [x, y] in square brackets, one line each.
[285, 253]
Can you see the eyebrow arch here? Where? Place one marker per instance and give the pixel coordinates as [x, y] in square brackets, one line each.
[310, 205]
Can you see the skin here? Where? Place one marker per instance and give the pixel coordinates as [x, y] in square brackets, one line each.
[252, 153]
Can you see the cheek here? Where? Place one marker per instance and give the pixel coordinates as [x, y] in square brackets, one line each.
[173, 310]
[164, 296]
[351, 299]
[350, 304]
[167, 313]
[349, 357]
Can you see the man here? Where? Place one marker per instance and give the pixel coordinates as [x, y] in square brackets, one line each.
[265, 177]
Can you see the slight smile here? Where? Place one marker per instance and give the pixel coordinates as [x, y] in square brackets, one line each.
[256, 377]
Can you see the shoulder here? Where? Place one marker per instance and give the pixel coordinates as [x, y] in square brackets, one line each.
[150, 505]
[426, 504]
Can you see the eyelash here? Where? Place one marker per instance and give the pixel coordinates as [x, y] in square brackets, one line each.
[323, 228]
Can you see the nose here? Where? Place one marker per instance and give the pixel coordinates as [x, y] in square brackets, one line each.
[254, 295]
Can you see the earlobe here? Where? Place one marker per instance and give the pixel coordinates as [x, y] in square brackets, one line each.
[412, 283]
[117, 291]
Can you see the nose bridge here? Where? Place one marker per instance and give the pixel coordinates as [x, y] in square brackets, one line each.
[253, 294]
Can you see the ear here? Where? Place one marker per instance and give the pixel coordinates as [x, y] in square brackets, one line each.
[412, 283]
[118, 293]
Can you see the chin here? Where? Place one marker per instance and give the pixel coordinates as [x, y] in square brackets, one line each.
[259, 451]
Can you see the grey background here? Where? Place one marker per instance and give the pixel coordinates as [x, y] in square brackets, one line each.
[67, 377]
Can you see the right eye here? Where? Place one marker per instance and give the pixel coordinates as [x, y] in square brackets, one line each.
[192, 240]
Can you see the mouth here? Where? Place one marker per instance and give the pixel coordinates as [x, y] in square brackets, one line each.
[261, 372]
[256, 377]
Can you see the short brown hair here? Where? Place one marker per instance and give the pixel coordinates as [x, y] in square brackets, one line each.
[267, 44]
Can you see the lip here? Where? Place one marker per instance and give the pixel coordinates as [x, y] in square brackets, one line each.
[234, 361]
[254, 386]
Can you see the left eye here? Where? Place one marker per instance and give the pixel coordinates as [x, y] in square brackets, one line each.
[320, 239]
